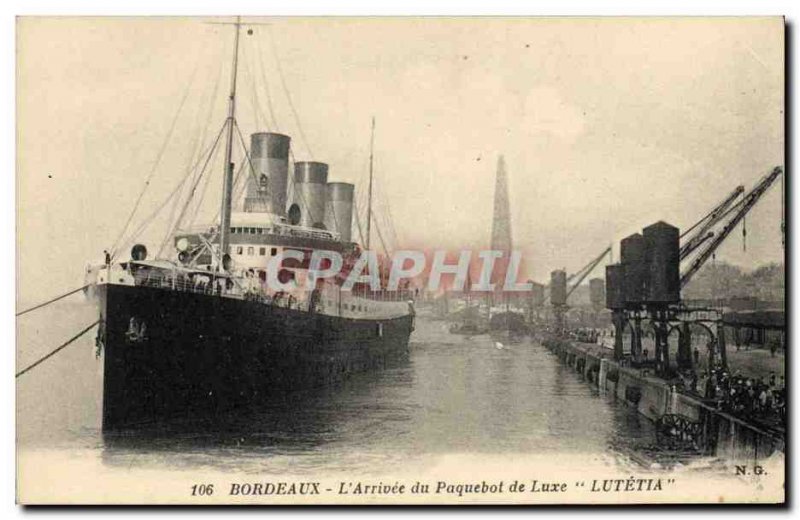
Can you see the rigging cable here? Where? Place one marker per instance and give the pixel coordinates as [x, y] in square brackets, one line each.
[358, 220]
[291, 192]
[199, 204]
[359, 195]
[380, 236]
[166, 201]
[174, 223]
[195, 154]
[199, 177]
[159, 156]
[48, 302]
[287, 94]
[390, 218]
[207, 125]
[54, 352]
[253, 93]
[266, 86]
[152, 215]
[246, 153]
[237, 191]
[238, 188]
[361, 213]
[198, 155]
[387, 221]
[203, 192]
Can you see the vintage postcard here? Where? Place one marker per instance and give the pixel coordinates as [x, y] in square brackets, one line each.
[448, 260]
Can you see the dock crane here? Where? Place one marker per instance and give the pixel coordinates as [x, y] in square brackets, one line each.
[587, 269]
[738, 212]
[702, 227]
[581, 274]
[698, 244]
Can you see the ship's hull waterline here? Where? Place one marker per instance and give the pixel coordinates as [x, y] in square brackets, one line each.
[170, 354]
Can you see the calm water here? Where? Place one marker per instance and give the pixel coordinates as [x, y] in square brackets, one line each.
[455, 395]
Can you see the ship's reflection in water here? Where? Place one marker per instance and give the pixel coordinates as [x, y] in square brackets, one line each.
[455, 394]
[311, 426]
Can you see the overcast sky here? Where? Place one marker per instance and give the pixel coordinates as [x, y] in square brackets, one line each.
[607, 125]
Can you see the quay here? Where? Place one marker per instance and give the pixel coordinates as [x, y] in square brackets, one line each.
[690, 418]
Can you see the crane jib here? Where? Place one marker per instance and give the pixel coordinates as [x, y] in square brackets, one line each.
[744, 206]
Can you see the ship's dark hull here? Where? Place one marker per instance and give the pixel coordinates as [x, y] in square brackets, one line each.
[171, 354]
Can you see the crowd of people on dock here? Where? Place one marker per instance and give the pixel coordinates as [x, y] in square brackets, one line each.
[747, 397]
[586, 335]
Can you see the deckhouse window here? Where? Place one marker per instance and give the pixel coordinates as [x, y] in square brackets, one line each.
[251, 251]
[262, 251]
[239, 250]
[273, 251]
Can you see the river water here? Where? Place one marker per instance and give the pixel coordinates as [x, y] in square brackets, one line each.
[454, 395]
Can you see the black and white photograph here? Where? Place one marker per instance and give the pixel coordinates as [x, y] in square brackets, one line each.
[400, 260]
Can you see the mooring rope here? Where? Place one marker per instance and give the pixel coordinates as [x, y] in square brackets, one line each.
[48, 302]
[54, 352]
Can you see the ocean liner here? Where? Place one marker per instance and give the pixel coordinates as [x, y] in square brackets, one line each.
[201, 332]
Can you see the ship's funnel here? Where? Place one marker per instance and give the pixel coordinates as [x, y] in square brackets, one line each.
[266, 190]
[310, 189]
[339, 210]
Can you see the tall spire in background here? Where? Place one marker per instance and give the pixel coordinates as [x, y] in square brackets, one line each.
[501, 223]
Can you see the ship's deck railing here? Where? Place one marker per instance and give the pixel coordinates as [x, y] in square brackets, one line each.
[274, 229]
[209, 284]
[304, 232]
[200, 283]
[401, 295]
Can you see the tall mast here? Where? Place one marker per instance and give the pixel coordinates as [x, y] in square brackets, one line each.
[227, 186]
[369, 199]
